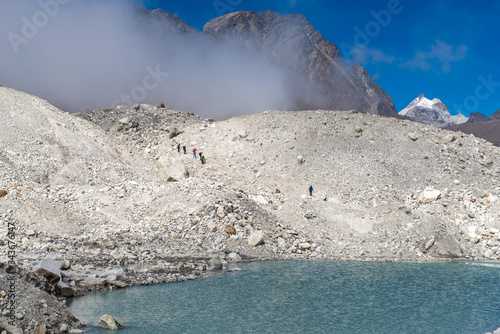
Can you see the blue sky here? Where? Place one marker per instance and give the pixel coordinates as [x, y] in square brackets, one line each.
[443, 49]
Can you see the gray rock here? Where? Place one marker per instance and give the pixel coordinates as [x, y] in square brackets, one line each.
[40, 329]
[429, 195]
[487, 162]
[235, 257]
[108, 322]
[256, 238]
[125, 121]
[119, 284]
[221, 212]
[64, 290]
[51, 265]
[447, 247]
[305, 245]
[413, 136]
[66, 265]
[117, 272]
[171, 169]
[281, 243]
[51, 270]
[174, 133]
[215, 263]
[309, 216]
[478, 193]
[450, 138]
[429, 243]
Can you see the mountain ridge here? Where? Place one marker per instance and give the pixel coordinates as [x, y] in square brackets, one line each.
[292, 42]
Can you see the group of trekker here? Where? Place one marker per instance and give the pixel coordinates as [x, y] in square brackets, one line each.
[200, 154]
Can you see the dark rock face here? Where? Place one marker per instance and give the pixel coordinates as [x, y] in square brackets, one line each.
[482, 126]
[496, 116]
[292, 43]
[160, 21]
[489, 131]
[478, 117]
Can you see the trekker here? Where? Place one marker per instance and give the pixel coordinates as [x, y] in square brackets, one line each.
[202, 159]
[184, 148]
[179, 147]
[194, 153]
[311, 189]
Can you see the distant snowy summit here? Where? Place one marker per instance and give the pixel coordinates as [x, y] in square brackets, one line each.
[432, 113]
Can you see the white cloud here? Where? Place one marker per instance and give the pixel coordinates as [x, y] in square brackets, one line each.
[440, 57]
[365, 55]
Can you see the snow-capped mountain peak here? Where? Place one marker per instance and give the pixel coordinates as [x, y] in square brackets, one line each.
[431, 112]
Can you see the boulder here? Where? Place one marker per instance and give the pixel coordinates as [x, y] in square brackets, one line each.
[51, 270]
[215, 263]
[64, 290]
[221, 212]
[118, 273]
[450, 138]
[413, 136]
[174, 133]
[3, 193]
[230, 229]
[305, 245]
[281, 243]
[51, 277]
[125, 121]
[429, 243]
[108, 322]
[478, 193]
[259, 199]
[446, 246]
[429, 195]
[171, 169]
[235, 257]
[40, 329]
[256, 238]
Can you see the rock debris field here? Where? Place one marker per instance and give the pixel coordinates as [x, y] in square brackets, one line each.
[85, 203]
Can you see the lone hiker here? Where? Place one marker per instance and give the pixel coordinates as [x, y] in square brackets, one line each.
[194, 153]
[179, 147]
[184, 148]
[311, 189]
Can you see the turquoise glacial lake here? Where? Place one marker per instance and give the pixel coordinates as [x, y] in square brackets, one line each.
[311, 297]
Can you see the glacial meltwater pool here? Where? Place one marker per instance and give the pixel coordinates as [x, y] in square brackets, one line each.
[311, 297]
